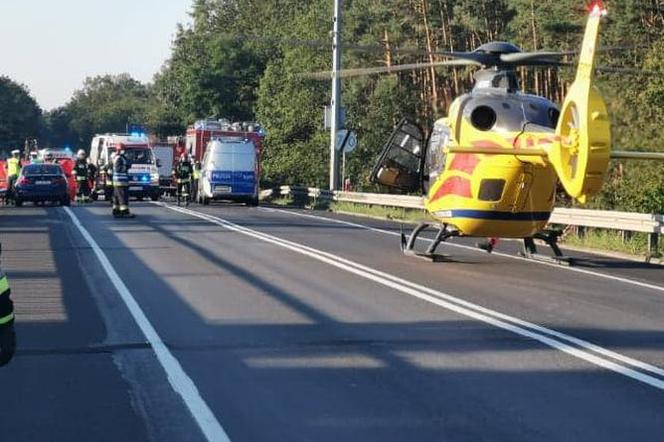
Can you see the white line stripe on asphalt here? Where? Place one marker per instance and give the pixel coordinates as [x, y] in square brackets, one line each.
[546, 336]
[571, 339]
[476, 250]
[179, 380]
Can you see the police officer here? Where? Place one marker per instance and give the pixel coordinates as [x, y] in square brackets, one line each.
[81, 172]
[13, 170]
[7, 334]
[121, 184]
[184, 171]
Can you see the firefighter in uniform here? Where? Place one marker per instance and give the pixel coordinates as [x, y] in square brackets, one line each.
[82, 174]
[183, 172]
[7, 334]
[13, 170]
[121, 184]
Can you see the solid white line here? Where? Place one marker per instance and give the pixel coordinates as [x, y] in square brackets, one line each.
[571, 339]
[476, 250]
[179, 380]
[546, 336]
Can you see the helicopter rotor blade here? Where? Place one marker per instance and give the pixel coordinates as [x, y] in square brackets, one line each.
[348, 73]
[628, 71]
[618, 70]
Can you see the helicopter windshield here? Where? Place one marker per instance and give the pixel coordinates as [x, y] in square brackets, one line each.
[436, 156]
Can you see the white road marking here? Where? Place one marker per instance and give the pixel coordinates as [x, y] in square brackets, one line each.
[566, 343]
[179, 380]
[476, 250]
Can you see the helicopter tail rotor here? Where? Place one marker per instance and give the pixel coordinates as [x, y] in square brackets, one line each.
[582, 151]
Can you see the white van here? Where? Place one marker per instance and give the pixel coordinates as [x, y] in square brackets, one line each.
[229, 171]
[143, 172]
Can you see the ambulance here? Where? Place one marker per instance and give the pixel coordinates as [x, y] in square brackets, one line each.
[143, 170]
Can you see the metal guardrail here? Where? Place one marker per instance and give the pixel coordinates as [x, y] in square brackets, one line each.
[653, 225]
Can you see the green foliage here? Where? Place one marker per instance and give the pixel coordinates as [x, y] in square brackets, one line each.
[104, 104]
[240, 60]
[20, 116]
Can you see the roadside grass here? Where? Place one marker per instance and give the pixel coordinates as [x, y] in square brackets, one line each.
[392, 213]
[610, 240]
[282, 201]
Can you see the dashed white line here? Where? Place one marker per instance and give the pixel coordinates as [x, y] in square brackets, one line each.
[637, 370]
[179, 380]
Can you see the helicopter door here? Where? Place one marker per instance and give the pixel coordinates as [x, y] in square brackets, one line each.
[523, 190]
[400, 163]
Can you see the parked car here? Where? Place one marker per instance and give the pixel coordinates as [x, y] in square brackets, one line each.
[40, 183]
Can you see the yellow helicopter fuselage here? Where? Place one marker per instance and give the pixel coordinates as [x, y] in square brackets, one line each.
[504, 196]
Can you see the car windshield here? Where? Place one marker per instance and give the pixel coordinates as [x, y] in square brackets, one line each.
[42, 169]
[139, 156]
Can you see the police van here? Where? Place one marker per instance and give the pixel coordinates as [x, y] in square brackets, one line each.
[229, 171]
[143, 170]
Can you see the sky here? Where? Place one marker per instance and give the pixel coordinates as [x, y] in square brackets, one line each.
[51, 46]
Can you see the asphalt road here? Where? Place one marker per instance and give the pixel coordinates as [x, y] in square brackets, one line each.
[276, 325]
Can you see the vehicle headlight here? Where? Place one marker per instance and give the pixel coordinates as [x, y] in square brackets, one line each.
[155, 178]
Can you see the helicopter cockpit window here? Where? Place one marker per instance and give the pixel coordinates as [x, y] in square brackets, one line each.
[436, 157]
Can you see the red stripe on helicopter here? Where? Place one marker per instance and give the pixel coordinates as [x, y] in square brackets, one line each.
[464, 163]
[456, 186]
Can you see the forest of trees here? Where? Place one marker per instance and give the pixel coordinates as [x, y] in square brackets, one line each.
[240, 59]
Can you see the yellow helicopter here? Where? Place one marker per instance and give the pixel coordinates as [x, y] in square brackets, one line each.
[491, 167]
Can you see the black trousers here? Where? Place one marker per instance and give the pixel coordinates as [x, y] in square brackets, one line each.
[11, 187]
[121, 198]
[83, 188]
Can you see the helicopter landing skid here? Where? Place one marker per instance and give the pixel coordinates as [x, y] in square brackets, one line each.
[408, 245]
[550, 237]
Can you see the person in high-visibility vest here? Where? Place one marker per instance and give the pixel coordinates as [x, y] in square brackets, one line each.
[197, 177]
[7, 334]
[121, 184]
[13, 170]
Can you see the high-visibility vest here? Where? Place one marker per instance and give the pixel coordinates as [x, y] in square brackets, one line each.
[197, 173]
[13, 167]
[6, 305]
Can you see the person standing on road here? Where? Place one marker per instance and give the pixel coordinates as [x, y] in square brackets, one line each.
[81, 172]
[183, 172]
[197, 177]
[7, 334]
[13, 170]
[121, 184]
